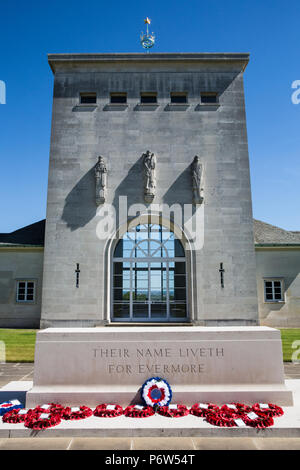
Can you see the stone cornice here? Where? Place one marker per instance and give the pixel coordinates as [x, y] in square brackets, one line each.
[15, 247]
[238, 58]
[276, 247]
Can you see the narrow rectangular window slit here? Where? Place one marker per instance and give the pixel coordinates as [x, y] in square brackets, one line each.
[222, 271]
[179, 98]
[77, 272]
[148, 98]
[88, 98]
[118, 98]
[209, 98]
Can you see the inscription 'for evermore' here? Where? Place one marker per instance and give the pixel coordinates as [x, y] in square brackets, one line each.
[156, 368]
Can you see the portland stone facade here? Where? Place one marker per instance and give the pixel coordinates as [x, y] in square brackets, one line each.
[122, 106]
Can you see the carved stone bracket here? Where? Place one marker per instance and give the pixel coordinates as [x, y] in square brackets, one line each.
[197, 180]
[101, 181]
[149, 166]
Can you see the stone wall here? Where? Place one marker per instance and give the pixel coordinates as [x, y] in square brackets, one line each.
[279, 263]
[20, 263]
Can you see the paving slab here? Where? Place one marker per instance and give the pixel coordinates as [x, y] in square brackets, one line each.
[34, 444]
[278, 444]
[225, 443]
[163, 443]
[105, 443]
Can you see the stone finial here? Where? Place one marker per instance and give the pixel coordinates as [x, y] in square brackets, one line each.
[196, 181]
[101, 180]
[149, 165]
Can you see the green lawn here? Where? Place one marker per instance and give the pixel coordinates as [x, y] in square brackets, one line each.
[288, 335]
[20, 343]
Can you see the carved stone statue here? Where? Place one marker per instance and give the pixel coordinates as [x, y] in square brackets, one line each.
[149, 164]
[196, 181]
[101, 181]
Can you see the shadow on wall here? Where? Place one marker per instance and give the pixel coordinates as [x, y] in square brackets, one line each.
[179, 191]
[131, 186]
[80, 206]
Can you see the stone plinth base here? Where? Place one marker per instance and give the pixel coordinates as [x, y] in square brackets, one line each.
[108, 365]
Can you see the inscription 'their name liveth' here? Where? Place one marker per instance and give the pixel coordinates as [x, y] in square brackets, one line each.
[158, 352]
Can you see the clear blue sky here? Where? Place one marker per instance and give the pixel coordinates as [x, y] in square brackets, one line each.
[268, 29]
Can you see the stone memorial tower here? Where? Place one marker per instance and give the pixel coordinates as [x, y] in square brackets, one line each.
[170, 131]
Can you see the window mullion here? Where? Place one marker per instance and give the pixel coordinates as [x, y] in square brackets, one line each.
[149, 291]
[130, 294]
[167, 291]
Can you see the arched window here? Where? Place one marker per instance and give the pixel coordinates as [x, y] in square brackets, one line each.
[149, 276]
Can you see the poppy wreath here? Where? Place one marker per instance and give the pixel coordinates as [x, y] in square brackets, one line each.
[108, 411]
[222, 418]
[267, 409]
[172, 412]
[201, 409]
[9, 406]
[16, 416]
[138, 411]
[49, 407]
[80, 412]
[236, 408]
[39, 421]
[255, 421]
[156, 392]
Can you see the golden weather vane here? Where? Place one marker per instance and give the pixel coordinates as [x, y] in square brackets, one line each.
[147, 39]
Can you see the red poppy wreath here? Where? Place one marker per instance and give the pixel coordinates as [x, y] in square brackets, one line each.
[201, 409]
[267, 409]
[255, 421]
[236, 408]
[49, 408]
[39, 421]
[173, 411]
[108, 411]
[76, 412]
[139, 411]
[224, 419]
[16, 416]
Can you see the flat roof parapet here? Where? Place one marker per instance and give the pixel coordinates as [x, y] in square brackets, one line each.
[177, 57]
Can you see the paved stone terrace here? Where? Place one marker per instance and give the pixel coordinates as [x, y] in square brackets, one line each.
[24, 371]
[15, 371]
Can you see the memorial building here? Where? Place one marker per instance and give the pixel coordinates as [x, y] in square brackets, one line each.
[149, 264]
[194, 261]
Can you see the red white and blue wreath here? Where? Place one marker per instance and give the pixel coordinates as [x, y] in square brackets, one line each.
[9, 406]
[156, 392]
